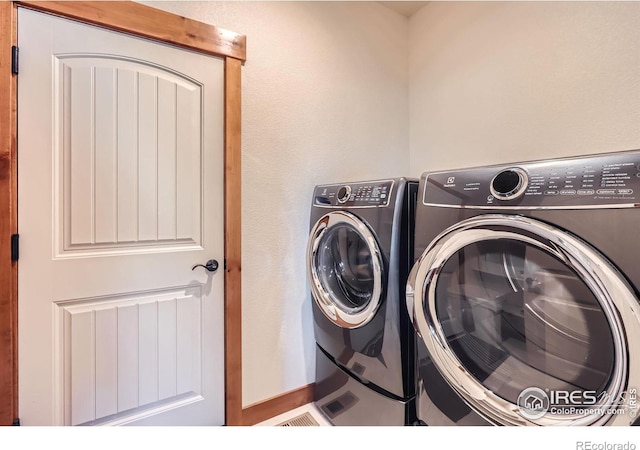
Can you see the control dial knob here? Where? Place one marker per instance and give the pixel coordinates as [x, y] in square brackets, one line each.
[509, 184]
[343, 194]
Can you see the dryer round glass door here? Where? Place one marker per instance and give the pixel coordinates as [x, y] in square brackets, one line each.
[529, 324]
[344, 267]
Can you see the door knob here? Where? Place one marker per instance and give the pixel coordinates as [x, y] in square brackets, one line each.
[211, 265]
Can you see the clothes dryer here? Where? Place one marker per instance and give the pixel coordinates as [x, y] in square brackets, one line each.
[359, 253]
[525, 293]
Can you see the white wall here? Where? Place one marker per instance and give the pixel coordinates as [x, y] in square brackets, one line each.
[514, 81]
[325, 99]
[329, 90]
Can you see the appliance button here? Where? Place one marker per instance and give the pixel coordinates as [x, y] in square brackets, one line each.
[625, 191]
[344, 193]
[509, 184]
[322, 200]
[586, 192]
[550, 192]
[567, 192]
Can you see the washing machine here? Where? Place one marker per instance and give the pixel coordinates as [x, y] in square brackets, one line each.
[524, 294]
[359, 254]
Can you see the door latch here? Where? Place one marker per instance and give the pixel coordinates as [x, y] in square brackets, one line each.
[211, 265]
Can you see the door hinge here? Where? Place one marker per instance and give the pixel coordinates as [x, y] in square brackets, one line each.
[14, 60]
[16, 422]
[15, 247]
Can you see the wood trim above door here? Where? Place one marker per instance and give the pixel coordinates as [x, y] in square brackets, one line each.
[144, 21]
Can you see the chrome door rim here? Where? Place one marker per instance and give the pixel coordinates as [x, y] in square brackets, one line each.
[615, 296]
[323, 299]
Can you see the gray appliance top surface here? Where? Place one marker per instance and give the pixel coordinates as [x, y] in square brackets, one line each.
[595, 181]
[359, 195]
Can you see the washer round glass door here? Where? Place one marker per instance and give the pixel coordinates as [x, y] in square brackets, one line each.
[344, 266]
[530, 325]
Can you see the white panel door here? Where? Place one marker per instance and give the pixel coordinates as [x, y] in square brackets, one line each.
[120, 147]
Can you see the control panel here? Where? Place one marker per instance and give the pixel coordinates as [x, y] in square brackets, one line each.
[589, 181]
[358, 195]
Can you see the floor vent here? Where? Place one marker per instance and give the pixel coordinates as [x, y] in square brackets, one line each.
[304, 420]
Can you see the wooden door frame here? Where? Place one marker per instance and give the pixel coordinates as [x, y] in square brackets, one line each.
[143, 21]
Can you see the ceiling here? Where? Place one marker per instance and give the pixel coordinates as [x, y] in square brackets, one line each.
[407, 9]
